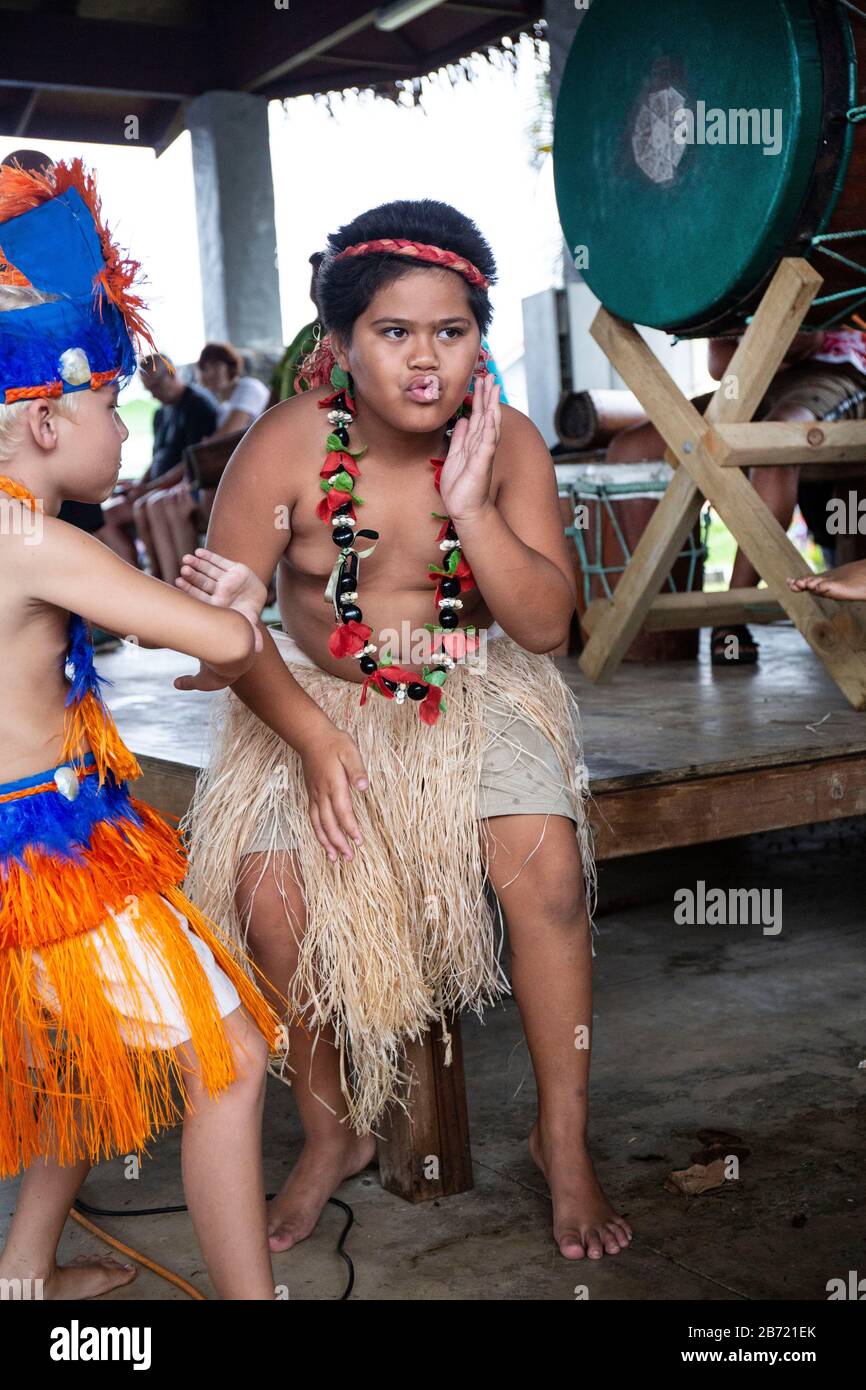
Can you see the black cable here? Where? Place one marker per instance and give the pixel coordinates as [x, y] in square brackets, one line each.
[87, 1210]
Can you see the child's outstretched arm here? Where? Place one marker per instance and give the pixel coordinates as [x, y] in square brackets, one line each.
[846, 582]
[69, 568]
[250, 523]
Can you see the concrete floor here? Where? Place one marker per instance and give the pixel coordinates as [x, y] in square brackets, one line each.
[695, 1027]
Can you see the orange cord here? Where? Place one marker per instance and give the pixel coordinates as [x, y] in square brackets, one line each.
[81, 773]
[163, 1273]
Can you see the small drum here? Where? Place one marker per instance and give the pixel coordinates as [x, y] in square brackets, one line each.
[590, 419]
[611, 505]
[697, 142]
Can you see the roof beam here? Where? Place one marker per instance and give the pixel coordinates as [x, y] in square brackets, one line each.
[366, 74]
[15, 115]
[70, 54]
[250, 37]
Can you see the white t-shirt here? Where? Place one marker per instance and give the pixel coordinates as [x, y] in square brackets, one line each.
[249, 394]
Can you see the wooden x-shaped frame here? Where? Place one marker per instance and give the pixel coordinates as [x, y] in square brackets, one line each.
[708, 454]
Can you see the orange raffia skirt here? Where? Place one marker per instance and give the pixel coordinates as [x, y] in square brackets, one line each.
[105, 965]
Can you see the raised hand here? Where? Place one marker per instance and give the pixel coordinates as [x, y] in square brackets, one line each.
[225, 583]
[467, 472]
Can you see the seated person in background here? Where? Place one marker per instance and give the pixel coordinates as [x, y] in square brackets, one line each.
[187, 413]
[177, 513]
[804, 388]
[243, 398]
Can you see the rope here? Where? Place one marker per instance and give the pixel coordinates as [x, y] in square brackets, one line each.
[853, 8]
[136, 1255]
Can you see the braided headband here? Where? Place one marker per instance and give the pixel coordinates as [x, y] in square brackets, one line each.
[420, 251]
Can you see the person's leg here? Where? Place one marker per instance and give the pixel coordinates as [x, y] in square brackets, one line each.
[142, 525]
[777, 487]
[180, 512]
[119, 515]
[47, 1192]
[332, 1152]
[221, 1158]
[536, 873]
[161, 540]
[637, 444]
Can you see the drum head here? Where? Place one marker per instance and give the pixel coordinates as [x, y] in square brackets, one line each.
[673, 218]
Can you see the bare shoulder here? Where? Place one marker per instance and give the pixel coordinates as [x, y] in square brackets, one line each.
[24, 535]
[516, 426]
[521, 444]
[289, 419]
[276, 445]
[35, 546]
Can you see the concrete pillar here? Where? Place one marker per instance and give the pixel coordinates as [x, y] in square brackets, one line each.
[234, 197]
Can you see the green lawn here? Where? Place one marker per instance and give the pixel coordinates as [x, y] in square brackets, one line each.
[137, 415]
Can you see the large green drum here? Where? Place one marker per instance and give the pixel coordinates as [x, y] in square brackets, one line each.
[697, 142]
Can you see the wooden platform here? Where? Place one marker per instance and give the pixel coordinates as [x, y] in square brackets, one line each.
[678, 753]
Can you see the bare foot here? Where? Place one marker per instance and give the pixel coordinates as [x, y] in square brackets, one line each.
[321, 1168]
[584, 1222]
[87, 1276]
[844, 582]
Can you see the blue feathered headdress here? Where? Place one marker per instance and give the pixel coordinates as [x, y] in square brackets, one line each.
[53, 241]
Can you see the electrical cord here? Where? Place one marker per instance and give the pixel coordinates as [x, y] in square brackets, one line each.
[80, 1207]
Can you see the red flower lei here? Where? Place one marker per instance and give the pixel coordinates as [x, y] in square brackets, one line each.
[351, 636]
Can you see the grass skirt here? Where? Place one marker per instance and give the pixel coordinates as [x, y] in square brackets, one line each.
[404, 932]
[72, 1082]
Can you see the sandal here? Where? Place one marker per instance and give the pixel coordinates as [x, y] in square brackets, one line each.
[746, 651]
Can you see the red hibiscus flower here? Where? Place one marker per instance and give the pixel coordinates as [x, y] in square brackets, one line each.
[348, 639]
[327, 401]
[398, 673]
[391, 673]
[428, 710]
[461, 572]
[331, 501]
[339, 462]
[457, 643]
[438, 464]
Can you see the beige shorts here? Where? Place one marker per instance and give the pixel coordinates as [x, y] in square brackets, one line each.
[151, 1015]
[520, 776]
